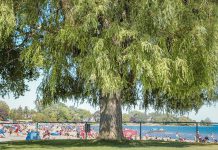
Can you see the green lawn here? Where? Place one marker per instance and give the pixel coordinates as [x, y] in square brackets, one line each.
[103, 145]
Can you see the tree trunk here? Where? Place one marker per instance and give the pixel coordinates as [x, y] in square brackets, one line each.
[110, 117]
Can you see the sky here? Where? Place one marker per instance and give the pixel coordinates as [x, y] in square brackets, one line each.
[30, 96]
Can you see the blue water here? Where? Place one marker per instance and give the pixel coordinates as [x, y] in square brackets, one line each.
[187, 132]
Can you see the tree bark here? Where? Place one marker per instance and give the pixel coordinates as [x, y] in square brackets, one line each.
[110, 117]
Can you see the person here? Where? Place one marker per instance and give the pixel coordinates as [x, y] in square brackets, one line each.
[206, 139]
[212, 137]
[2, 132]
[10, 130]
[177, 136]
[46, 135]
[198, 138]
[17, 129]
[77, 133]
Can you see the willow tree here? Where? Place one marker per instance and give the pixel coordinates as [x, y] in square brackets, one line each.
[115, 53]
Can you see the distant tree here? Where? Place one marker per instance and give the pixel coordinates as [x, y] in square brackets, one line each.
[80, 114]
[96, 116]
[166, 117]
[83, 114]
[32, 112]
[207, 121]
[185, 119]
[14, 115]
[4, 110]
[20, 113]
[26, 112]
[40, 117]
[126, 118]
[137, 116]
[39, 106]
[57, 112]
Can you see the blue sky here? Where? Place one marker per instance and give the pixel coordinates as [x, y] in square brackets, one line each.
[30, 96]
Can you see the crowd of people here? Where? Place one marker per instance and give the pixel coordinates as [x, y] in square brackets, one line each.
[206, 139]
[46, 131]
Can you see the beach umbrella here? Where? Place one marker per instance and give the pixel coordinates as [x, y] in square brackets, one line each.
[83, 134]
[129, 133]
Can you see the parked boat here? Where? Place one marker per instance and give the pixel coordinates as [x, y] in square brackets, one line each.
[154, 130]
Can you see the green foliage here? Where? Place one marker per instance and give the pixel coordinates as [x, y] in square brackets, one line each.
[161, 117]
[4, 110]
[61, 113]
[54, 113]
[21, 113]
[80, 114]
[7, 20]
[137, 116]
[184, 119]
[206, 122]
[126, 118]
[57, 113]
[161, 52]
[12, 70]
[40, 117]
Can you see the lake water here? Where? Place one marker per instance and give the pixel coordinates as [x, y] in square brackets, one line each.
[187, 132]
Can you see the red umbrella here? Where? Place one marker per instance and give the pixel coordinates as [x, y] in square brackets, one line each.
[129, 133]
[83, 133]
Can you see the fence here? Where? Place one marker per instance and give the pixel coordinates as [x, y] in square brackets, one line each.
[181, 131]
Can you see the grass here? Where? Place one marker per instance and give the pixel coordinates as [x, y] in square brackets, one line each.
[104, 145]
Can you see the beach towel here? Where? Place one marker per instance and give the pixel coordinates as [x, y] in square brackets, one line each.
[33, 136]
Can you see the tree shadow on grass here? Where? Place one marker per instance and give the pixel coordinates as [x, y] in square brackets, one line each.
[51, 144]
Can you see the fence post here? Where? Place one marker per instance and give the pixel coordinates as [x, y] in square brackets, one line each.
[140, 134]
[37, 126]
[86, 130]
[197, 133]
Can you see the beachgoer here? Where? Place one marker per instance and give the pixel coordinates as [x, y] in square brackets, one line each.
[46, 135]
[2, 132]
[198, 138]
[10, 130]
[177, 136]
[212, 137]
[206, 139]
